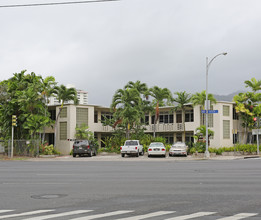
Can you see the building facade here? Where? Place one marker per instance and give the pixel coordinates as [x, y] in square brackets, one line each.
[225, 124]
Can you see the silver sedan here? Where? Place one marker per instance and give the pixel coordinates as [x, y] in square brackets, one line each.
[178, 148]
[157, 148]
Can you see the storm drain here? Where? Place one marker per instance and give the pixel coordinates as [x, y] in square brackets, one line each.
[48, 196]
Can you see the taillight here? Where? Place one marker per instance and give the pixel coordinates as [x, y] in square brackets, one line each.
[88, 147]
[150, 149]
[136, 148]
[121, 148]
[163, 149]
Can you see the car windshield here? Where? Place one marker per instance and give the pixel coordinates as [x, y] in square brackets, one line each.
[131, 143]
[179, 145]
[156, 145]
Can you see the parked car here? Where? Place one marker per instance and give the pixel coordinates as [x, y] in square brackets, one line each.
[156, 148]
[132, 147]
[179, 148]
[84, 147]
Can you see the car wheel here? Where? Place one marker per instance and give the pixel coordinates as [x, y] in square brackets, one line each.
[74, 155]
[148, 155]
[142, 152]
[95, 153]
[90, 155]
[122, 155]
[138, 154]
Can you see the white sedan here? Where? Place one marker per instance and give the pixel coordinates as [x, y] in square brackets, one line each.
[157, 148]
[178, 148]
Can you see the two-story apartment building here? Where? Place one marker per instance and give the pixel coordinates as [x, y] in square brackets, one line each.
[169, 125]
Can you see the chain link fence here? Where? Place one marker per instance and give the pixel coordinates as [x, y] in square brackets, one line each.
[24, 148]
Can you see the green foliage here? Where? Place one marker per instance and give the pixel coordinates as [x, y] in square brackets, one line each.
[83, 132]
[21, 95]
[46, 149]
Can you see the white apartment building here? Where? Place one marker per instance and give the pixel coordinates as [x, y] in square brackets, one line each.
[169, 126]
[82, 97]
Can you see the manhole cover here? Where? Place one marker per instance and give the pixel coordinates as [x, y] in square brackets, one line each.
[48, 196]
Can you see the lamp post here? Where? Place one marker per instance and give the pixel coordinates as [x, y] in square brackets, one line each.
[207, 104]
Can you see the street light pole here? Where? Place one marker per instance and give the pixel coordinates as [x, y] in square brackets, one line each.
[207, 102]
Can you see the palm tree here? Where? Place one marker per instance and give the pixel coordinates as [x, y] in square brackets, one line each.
[63, 94]
[200, 98]
[47, 90]
[159, 95]
[182, 100]
[201, 132]
[126, 104]
[254, 84]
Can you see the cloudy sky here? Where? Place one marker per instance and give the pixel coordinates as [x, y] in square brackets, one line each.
[99, 47]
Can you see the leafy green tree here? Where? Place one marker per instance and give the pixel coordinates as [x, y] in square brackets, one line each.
[200, 98]
[126, 105]
[254, 84]
[63, 94]
[160, 95]
[201, 132]
[182, 100]
[23, 99]
[82, 132]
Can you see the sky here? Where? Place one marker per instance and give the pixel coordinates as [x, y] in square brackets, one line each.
[100, 47]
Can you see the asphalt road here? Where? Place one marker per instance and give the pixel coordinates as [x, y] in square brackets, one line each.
[221, 188]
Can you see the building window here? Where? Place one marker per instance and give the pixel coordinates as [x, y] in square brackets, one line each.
[226, 129]
[235, 114]
[166, 118]
[210, 118]
[225, 110]
[179, 137]
[63, 113]
[52, 114]
[168, 137]
[145, 120]
[81, 116]
[106, 115]
[189, 115]
[63, 130]
[95, 117]
[179, 117]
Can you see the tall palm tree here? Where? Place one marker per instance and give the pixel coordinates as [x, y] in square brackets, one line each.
[126, 105]
[200, 98]
[182, 100]
[254, 84]
[63, 94]
[160, 95]
[48, 84]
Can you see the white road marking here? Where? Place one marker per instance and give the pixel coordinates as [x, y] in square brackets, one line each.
[101, 215]
[25, 213]
[3, 211]
[195, 215]
[153, 214]
[239, 216]
[59, 215]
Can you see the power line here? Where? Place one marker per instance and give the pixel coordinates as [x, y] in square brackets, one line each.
[56, 3]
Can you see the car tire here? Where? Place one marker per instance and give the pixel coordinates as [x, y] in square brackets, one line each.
[138, 154]
[142, 153]
[90, 155]
[74, 155]
[122, 155]
[95, 153]
[148, 155]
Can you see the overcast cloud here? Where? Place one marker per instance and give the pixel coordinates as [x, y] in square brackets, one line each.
[99, 47]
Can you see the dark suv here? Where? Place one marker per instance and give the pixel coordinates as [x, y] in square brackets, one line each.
[84, 147]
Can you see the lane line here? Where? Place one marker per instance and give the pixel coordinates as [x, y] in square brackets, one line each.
[59, 215]
[3, 211]
[153, 214]
[195, 215]
[101, 215]
[239, 216]
[25, 213]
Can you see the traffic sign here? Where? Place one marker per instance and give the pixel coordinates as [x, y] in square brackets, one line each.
[209, 111]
